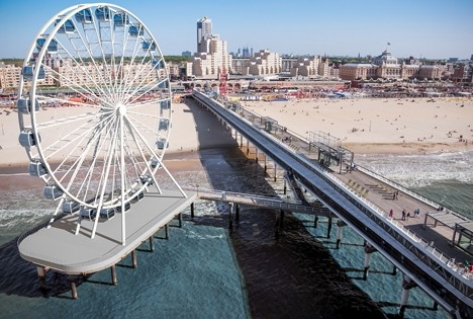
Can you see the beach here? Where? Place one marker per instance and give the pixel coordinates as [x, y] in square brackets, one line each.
[364, 126]
[379, 126]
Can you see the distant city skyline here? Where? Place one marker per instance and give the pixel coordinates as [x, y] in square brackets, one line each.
[434, 29]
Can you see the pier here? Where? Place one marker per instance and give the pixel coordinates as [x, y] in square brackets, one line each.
[425, 256]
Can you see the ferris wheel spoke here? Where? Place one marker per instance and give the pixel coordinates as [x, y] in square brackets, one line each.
[77, 69]
[144, 126]
[90, 178]
[54, 148]
[125, 80]
[148, 89]
[77, 164]
[141, 104]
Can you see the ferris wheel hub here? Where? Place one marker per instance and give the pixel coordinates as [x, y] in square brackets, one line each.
[121, 109]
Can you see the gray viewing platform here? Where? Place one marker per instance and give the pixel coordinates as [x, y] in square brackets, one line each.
[59, 249]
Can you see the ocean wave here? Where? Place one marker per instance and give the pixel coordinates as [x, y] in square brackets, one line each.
[421, 170]
[17, 221]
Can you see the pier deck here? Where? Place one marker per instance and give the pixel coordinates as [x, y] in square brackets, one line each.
[59, 249]
[382, 196]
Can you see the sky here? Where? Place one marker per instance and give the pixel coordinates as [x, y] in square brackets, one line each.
[433, 29]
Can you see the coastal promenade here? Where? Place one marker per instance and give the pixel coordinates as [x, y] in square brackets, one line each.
[421, 262]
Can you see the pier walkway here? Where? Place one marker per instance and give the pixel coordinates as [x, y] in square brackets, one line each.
[421, 261]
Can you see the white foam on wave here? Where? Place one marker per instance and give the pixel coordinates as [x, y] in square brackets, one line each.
[421, 170]
[21, 218]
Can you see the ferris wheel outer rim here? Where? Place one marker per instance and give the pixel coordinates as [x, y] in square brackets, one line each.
[66, 14]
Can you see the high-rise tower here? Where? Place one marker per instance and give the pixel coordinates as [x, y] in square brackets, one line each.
[204, 34]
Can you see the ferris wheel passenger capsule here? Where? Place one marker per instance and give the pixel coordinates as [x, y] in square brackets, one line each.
[52, 192]
[84, 16]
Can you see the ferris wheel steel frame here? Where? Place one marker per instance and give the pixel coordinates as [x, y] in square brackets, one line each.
[96, 160]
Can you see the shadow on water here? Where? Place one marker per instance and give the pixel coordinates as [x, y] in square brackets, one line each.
[19, 277]
[289, 275]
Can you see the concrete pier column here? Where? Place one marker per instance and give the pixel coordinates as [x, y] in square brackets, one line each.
[394, 270]
[192, 210]
[241, 141]
[275, 172]
[73, 288]
[41, 276]
[366, 265]
[150, 241]
[180, 219]
[237, 211]
[256, 155]
[329, 226]
[282, 217]
[167, 231]
[264, 163]
[113, 275]
[340, 227]
[338, 236]
[368, 249]
[231, 207]
[248, 147]
[284, 186]
[316, 218]
[134, 258]
[407, 284]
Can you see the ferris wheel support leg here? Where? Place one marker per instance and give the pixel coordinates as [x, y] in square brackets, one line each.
[51, 221]
[122, 163]
[78, 227]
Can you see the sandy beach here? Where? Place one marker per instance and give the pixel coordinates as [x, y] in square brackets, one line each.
[394, 126]
[379, 126]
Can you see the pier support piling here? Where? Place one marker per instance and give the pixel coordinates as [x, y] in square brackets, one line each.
[192, 210]
[340, 224]
[180, 219]
[282, 217]
[134, 258]
[230, 214]
[407, 284]
[41, 276]
[275, 173]
[316, 218]
[113, 275]
[368, 249]
[284, 186]
[237, 211]
[150, 241]
[329, 227]
[394, 270]
[73, 288]
[167, 231]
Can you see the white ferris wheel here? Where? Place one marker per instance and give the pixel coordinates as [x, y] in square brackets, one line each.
[95, 110]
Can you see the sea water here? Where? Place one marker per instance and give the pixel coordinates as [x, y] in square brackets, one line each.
[205, 270]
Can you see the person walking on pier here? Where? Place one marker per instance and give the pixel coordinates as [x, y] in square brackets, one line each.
[391, 213]
[404, 214]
